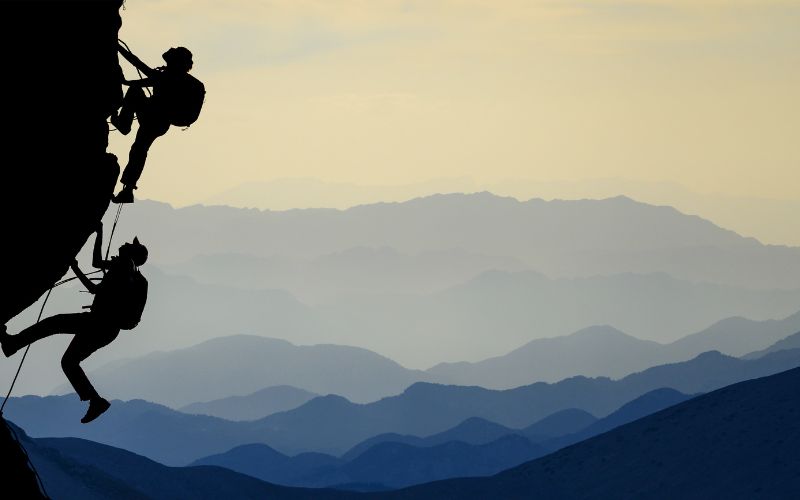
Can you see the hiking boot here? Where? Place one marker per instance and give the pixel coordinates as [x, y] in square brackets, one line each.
[124, 196]
[97, 407]
[122, 128]
[7, 342]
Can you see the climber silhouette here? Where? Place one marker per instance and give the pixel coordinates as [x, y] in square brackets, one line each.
[177, 99]
[118, 304]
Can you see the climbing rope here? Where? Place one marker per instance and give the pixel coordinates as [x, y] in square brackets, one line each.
[25, 355]
[141, 77]
[113, 228]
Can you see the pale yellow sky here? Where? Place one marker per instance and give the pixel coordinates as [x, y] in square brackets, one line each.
[702, 93]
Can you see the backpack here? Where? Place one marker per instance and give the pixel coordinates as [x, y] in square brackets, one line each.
[186, 101]
[131, 301]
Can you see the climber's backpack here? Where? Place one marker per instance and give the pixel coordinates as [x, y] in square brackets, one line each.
[185, 100]
[133, 299]
[122, 299]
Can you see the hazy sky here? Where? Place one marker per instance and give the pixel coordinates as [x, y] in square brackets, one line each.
[702, 93]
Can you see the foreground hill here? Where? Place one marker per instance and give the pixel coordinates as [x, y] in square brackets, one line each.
[739, 442]
[77, 469]
[475, 447]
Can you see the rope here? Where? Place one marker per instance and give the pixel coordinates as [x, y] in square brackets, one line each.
[19, 368]
[141, 77]
[113, 228]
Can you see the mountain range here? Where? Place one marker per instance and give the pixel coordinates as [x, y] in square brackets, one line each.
[332, 424]
[558, 238]
[606, 351]
[243, 364]
[239, 365]
[735, 442]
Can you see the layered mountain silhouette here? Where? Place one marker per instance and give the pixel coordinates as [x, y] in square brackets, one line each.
[604, 350]
[734, 442]
[640, 407]
[242, 364]
[253, 406]
[520, 306]
[349, 271]
[476, 447]
[332, 424]
[515, 307]
[385, 464]
[558, 238]
[739, 442]
[788, 343]
[478, 431]
[189, 313]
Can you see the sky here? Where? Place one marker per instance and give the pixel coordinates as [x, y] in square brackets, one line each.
[689, 99]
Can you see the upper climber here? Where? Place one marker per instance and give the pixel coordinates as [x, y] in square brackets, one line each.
[177, 100]
[118, 304]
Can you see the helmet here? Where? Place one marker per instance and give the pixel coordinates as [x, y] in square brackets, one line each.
[178, 56]
[138, 252]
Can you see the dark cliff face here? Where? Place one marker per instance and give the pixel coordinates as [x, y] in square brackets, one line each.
[15, 465]
[60, 82]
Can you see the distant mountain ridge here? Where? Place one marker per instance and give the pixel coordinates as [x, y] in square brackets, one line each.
[216, 369]
[252, 406]
[606, 351]
[242, 364]
[332, 424]
[559, 238]
[788, 343]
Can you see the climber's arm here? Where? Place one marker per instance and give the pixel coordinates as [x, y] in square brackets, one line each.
[97, 252]
[135, 61]
[82, 277]
[144, 82]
